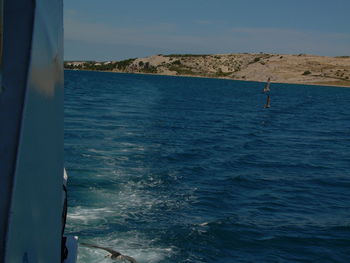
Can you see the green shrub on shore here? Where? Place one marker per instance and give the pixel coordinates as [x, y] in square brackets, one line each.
[181, 70]
[122, 65]
[219, 73]
[307, 72]
[91, 65]
[148, 68]
[256, 59]
[185, 55]
[67, 65]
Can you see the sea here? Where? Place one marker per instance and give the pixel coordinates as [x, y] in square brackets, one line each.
[182, 169]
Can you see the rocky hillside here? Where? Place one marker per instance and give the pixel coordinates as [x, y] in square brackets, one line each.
[300, 68]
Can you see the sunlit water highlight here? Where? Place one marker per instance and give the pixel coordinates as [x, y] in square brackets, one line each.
[171, 169]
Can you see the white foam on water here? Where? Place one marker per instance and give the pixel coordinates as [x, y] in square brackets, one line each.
[131, 244]
[129, 200]
[93, 150]
[86, 216]
[87, 255]
[122, 158]
[121, 205]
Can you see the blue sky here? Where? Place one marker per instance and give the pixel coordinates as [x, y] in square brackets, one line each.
[119, 29]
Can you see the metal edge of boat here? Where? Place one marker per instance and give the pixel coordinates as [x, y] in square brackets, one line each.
[32, 200]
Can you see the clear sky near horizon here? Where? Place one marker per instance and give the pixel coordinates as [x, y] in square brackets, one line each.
[120, 29]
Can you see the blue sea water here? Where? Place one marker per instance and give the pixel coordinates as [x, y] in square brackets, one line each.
[176, 169]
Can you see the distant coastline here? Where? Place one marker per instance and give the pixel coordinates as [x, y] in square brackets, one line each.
[281, 68]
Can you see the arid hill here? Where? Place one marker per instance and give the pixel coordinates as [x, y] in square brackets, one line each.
[307, 69]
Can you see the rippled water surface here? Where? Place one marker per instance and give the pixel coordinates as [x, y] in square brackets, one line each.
[172, 169]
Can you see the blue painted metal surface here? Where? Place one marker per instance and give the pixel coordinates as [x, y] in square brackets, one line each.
[31, 135]
[17, 32]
